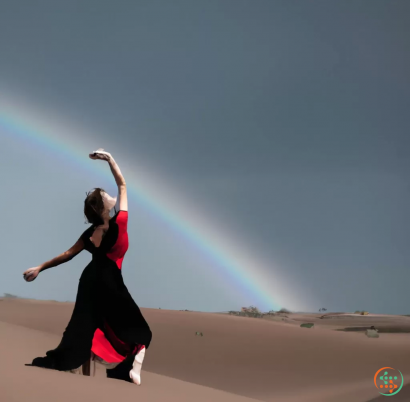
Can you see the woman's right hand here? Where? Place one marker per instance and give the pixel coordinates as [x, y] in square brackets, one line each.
[31, 274]
[101, 154]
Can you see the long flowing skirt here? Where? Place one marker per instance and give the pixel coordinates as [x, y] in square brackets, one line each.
[103, 302]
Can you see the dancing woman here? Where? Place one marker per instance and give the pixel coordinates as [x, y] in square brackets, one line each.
[106, 325]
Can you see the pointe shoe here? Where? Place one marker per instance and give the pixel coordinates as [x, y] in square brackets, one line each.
[135, 372]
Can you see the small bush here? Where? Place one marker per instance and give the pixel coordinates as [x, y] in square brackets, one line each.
[284, 310]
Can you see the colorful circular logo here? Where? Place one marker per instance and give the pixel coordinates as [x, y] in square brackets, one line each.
[388, 381]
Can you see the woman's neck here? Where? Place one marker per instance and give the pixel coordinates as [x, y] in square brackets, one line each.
[106, 219]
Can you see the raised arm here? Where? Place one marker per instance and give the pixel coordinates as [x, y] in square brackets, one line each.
[119, 178]
[122, 196]
[32, 273]
[122, 186]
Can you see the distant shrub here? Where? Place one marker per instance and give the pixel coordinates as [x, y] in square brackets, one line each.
[250, 311]
[284, 310]
[271, 312]
[307, 325]
[255, 315]
[253, 310]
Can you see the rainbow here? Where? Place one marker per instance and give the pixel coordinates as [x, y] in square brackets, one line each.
[243, 271]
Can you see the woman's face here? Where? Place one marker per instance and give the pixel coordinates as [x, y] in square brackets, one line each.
[109, 202]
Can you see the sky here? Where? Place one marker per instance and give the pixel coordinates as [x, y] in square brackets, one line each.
[277, 132]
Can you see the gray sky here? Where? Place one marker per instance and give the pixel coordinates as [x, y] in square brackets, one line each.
[284, 122]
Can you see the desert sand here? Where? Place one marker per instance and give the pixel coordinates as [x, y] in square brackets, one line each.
[236, 359]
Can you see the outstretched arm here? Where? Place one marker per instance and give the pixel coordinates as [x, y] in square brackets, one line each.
[122, 186]
[122, 196]
[32, 273]
[119, 178]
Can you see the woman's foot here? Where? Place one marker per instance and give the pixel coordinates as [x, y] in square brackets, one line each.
[44, 362]
[135, 373]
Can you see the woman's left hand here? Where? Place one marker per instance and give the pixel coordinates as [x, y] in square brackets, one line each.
[101, 154]
[30, 274]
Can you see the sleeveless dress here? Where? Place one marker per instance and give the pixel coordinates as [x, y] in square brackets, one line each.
[105, 320]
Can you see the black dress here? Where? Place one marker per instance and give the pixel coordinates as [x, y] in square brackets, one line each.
[104, 309]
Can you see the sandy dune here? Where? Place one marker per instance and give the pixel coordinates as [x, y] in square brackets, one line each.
[237, 359]
[343, 320]
[19, 383]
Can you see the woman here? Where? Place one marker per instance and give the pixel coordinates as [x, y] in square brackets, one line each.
[106, 325]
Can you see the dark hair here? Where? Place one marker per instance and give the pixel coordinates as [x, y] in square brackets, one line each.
[94, 207]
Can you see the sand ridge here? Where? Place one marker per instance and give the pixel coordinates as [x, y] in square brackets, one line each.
[237, 357]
